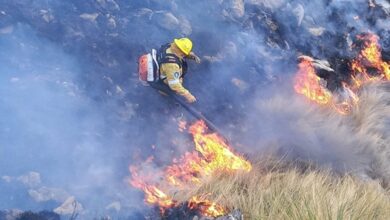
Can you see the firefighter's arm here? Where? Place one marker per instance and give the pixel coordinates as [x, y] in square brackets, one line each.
[174, 82]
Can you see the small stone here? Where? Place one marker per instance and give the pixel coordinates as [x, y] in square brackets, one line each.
[90, 17]
[166, 20]
[317, 31]
[143, 12]
[47, 16]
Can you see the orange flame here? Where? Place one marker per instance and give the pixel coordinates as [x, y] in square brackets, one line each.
[309, 84]
[369, 57]
[153, 195]
[206, 207]
[212, 154]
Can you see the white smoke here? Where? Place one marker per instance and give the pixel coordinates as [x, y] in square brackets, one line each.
[357, 143]
[51, 127]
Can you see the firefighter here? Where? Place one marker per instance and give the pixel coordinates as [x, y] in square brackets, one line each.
[172, 62]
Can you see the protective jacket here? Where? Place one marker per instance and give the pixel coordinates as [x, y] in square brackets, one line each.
[172, 69]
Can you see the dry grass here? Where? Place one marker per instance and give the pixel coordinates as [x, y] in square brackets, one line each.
[294, 193]
[355, 148]
[358, 144]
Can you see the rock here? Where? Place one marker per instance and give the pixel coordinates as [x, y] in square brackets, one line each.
[89, 17]
[119, 90]
[235, 8]
[166, 20]
[143, 12]
[385, 6]
[318, 64]
[47, 16]
[235, 215]
[69, 207]
[316, 31]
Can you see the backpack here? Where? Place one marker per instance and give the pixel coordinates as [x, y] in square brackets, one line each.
[149, 64]
[148, 67]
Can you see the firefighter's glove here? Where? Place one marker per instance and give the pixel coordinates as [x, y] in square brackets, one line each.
[195, 57]
[190, 98]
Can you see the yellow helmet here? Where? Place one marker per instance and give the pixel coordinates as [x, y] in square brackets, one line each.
[184, 44]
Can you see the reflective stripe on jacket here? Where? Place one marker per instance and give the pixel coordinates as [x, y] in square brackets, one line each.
[172, 74]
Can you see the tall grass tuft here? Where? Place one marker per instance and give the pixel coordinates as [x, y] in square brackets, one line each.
[274, 190]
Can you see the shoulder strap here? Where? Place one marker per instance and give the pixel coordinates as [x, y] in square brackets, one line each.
[164, 57]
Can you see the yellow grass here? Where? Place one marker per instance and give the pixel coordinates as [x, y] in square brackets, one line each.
[290, 193]
[280, 190]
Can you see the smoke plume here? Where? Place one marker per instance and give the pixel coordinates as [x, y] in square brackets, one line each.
[75, 115]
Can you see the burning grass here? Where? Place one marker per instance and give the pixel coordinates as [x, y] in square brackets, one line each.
[299, 190]
[213, 179]
[368, 67]
[212, 153]
[273, 190]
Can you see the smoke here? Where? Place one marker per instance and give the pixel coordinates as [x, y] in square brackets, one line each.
[74, 113]
[51, 129]
[294, 129]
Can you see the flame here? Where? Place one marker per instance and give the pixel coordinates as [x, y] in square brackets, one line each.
[206, 207]
[309, 84]
[153, 195]
[212, 154]
[369, 57]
